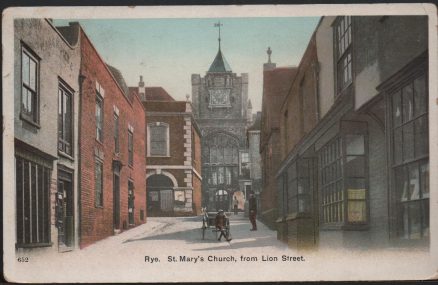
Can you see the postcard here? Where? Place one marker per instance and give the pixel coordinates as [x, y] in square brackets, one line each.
[220, 143]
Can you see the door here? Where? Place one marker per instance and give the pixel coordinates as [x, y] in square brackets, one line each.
[131, 198]
[65, 210]
[116, 200]
[222, 200]
[166, 200]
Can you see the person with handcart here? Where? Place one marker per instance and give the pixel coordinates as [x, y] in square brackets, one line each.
[220, 223]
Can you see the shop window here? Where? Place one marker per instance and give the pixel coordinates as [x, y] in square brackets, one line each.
[410, 140]
[343, 52]
[33, 203]
[332, 192]
[29, 86]
[344, 178]
[65, 120]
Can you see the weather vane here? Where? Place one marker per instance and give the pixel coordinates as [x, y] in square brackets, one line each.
[218, 25]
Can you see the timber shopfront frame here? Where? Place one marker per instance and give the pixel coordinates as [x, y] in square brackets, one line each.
[406, 94]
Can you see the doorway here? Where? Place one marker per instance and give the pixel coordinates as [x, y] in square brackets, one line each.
[65, 210]
[221, 199]
[116, 196]
[131, 207]
[160, 195]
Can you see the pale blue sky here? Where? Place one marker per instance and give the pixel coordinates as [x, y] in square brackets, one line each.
[167, 51]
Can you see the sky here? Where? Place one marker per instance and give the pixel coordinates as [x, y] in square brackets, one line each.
[168, 51]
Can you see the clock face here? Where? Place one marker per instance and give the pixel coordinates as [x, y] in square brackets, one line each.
[219, 97]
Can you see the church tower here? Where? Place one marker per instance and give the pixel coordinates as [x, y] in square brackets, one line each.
[220, 103]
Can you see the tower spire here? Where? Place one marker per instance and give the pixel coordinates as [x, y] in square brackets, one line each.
[218, 25]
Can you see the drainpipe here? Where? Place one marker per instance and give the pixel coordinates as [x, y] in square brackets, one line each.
[81, 81]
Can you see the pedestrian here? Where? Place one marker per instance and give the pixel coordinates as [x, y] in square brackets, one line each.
[220, 222]
[252, 211]
[235, 205]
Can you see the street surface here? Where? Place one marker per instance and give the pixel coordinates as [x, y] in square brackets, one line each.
[172, 249]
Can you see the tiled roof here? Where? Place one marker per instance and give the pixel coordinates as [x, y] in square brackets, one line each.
[154, 93]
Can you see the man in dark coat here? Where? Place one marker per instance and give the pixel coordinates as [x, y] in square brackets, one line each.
[252, 211]
[220, 222]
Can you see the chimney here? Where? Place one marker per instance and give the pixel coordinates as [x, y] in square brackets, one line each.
[141, 89]
[269, 65]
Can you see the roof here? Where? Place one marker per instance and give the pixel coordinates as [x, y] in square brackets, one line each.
[154, 93]
[219, 64]
[119, 78]
[165, 106]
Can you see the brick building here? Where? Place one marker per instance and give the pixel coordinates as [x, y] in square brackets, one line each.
[173, 142]
[276, 84]
[220, 103]
[355, 159]
[255, 169]
[46, 96]
[112, 150]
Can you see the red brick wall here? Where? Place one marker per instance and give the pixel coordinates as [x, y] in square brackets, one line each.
[197, 183]
[276, 84]
[176, 136]
[97, 222]
[295, 126]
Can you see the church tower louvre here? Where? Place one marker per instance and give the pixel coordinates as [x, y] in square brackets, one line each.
[220, 103]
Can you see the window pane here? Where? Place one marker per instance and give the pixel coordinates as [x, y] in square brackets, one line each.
[398, 155]
[396, 109]
[68, 118]
[25, 68]
[421, 136]
[213, 154]
[34, 213]
[404, 215]
[408, 141]
[414, 182]
[355, 184]
[420, 95]
[415, 220]
[32, 75]
[408, 101]
[24, 105]
[221, 175]
[60, 114]
[214, 176]
[355, 144]
[20, 198]
[228, 176]
[355, 166]
[424, 176]
[220, 155]
[357, 211]
[402, 183]
[426, 215]
[26, 202]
